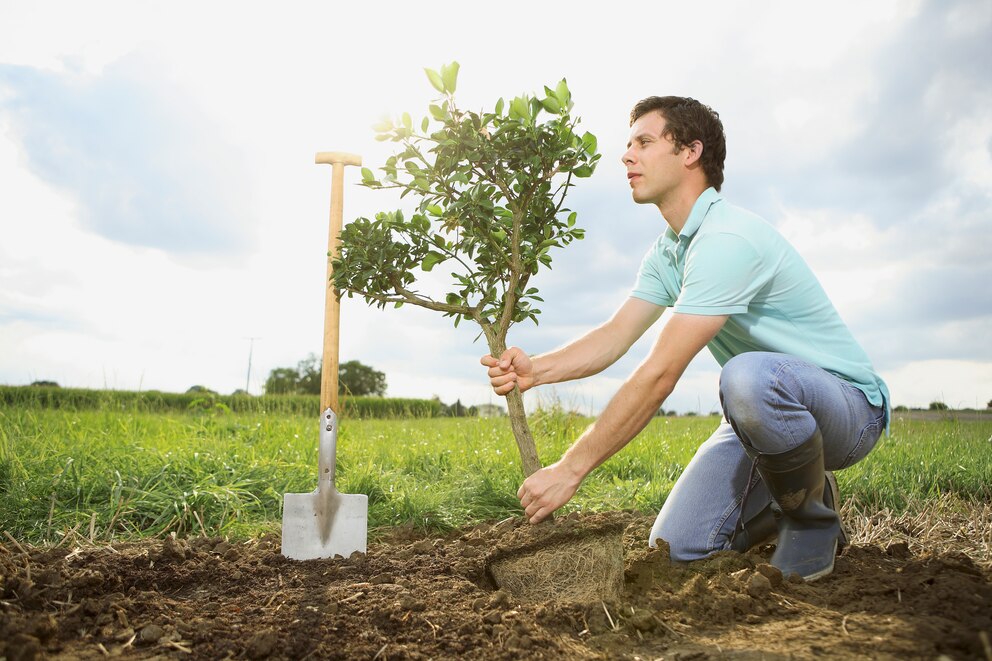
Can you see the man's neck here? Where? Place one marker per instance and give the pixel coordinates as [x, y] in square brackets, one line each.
[676, 208]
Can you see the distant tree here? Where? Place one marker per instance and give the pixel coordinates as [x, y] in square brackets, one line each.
[308, 379]
[200, 390]
[52, 384]
[989, 405]
[282, 381]
[240, 392]
[357, 379]
[938, 406]
[901, 408]
[354, 378]
[457, 409]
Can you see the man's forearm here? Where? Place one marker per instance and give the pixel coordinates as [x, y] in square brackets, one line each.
[590, 354]
[630, 410]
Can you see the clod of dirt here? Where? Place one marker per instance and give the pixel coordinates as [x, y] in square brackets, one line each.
[758, 586]
[175, 549]
[262, 644]
[150, 634]
[772, 573]
[564, 560]
[898, 550]
[23, 647]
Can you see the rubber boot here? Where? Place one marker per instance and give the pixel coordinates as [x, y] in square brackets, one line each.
[831, 498]
[759, 529]
[762, 528]
[808, 530]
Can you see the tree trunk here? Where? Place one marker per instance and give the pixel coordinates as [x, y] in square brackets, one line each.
[521, 432]
[515, 407]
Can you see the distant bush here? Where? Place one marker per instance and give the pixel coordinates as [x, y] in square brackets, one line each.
[154, 401]
[938, 406]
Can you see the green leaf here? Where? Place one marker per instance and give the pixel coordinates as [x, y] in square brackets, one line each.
[571, 218]
[407, 121]
[432, 259]
[582, 171]
[367, 175]
[589, 142]
[519, 109]
[453, 299]
[435, 79]
[434, 210]
[535, 107]
[449, 76]
[499, 106]
[437, 113]
[561, 91]
[551, 105]
[424, 124]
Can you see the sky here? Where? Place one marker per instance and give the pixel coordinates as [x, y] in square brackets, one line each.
[160, 205]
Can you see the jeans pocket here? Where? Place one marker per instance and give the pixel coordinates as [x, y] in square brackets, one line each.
[868, 438]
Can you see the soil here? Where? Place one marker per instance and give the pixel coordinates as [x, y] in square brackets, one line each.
[413, 597]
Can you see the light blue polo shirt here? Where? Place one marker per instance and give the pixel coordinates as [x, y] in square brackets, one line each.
[728, 261]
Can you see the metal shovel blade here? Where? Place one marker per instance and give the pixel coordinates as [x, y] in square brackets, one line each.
[324, 523]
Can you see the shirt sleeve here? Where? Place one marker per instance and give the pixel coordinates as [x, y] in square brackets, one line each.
[650, 285]
[723, 272]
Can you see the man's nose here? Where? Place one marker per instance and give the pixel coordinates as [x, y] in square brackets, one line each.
[627, 157]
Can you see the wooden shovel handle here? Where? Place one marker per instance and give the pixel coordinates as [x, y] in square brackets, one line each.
[332, 302]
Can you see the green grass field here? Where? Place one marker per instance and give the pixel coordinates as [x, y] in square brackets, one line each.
[110, 474]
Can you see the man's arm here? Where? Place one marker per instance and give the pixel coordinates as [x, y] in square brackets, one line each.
[588, 355]
[625, 416]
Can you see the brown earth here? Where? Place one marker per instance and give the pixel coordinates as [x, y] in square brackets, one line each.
[412, 597]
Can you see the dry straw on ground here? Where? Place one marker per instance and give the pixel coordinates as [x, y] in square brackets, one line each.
[935, 526]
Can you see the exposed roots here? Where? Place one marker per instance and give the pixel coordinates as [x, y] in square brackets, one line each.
[572, 570]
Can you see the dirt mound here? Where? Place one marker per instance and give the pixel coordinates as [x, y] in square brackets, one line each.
[419, 598]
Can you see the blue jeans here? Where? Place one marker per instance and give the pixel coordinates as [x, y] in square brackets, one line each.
[776, 402]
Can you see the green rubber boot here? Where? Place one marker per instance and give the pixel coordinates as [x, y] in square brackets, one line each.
[808, 529]
[762, 528]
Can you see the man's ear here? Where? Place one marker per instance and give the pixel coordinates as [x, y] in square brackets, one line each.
[693, 152]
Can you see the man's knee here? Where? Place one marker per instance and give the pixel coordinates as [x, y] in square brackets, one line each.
[744, 384]
[683, 545]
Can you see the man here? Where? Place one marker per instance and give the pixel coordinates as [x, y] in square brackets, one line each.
[799, 395]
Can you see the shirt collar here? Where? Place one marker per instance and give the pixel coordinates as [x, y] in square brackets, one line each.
[706, 199]
[676, 243]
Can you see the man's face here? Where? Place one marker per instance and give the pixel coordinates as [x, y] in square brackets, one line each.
[654, 169]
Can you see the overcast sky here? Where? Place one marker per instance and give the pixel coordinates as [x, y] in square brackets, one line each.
[159, 203]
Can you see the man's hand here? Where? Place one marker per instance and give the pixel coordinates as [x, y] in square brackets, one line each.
[514, 367]
[547, 490]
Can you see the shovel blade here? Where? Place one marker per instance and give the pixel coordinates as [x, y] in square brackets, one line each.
[324, 524]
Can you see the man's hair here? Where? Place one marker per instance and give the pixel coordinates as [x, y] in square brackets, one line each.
[688, 120]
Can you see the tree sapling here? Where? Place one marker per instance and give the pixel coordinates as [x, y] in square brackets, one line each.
[491, 189]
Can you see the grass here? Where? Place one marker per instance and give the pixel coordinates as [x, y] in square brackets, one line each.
[109, 474]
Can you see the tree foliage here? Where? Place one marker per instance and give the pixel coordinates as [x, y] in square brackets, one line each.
[490, 189]
[354, 378]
